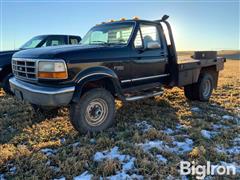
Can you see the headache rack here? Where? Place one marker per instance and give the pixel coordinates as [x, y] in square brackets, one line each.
[24, 69]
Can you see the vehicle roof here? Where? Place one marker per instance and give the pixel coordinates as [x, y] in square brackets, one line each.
[57, 35]
[127, 21]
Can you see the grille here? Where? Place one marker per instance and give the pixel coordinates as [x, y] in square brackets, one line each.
[24, 69]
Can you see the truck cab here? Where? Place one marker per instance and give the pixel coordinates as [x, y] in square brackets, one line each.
[126, 59]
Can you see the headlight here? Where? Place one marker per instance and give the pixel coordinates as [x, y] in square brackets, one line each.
[52, 70]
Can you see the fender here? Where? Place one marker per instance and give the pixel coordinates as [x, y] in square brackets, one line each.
[93, 74]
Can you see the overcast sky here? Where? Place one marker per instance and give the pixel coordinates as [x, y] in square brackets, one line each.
[197, 25]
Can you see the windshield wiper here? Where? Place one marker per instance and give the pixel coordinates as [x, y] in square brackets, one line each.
[106, 43]
[100, 42]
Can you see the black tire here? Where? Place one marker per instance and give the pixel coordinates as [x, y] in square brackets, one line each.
[48, 112]
[6, 85]
[202, 90]
[94, 112]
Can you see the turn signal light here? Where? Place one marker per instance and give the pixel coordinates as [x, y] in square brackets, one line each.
[53, 75]
[136, 18]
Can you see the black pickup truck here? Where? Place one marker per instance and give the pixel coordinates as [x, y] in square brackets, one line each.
[35, 42]
[125, 59]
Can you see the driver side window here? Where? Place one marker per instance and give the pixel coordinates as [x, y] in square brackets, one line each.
[149, 35]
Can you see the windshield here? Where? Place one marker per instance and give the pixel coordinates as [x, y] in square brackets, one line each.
[33, 43]
[118, 34]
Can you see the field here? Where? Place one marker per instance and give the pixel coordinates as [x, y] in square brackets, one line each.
[149, 140]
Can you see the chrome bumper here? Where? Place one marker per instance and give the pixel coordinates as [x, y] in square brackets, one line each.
[40, 95]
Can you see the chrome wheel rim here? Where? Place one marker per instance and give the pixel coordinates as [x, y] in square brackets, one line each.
[96, 112]
[206, 88]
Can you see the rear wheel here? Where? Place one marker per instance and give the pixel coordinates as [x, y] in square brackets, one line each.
[202, 90]
[94, 112]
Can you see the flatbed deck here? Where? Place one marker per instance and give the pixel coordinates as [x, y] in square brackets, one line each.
[184, 60]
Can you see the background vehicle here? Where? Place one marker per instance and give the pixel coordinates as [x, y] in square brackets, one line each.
[36, 42]
[127, 59]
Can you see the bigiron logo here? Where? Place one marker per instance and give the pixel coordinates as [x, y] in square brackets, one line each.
[201, 171]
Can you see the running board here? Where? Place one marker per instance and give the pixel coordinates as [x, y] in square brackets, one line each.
[134, 98]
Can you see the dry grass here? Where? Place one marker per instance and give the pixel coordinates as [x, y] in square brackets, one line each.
[23, 134]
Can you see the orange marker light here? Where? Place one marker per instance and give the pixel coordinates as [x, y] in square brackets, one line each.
[136, 18]
[53, 75]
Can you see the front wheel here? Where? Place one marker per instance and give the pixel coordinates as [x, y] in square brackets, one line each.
[94, 112]
[202, 90]
[6, 85]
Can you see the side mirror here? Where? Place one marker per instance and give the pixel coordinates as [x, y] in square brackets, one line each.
[153, 45]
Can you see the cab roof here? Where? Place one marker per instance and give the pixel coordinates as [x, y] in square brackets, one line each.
[127, 21]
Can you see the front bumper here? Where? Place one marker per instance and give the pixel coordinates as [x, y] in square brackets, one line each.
[40, 95]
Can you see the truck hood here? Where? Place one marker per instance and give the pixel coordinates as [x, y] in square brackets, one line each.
[56, 52]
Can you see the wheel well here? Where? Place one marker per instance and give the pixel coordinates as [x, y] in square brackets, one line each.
[106, 83]
[213, 71]
[6, 70]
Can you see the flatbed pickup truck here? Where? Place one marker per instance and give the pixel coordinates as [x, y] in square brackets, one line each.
[35, 42]
[125, 59]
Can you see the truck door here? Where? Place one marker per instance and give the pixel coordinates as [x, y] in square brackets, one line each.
[149, 55]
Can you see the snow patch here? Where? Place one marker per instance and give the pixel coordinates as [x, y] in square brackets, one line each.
[61, 178]
[236, 141]
[208, 134]
[196, 109]
[213, 115]
[181, 127]
[179, 147]
[235, 150]
[62, 140]
[148, 145]
[126, 161]
[168, 131]
[76, 144]
[129, 165]
[219, 126]
[92, 141]
[227, 117]
[182, 147]
[161, 159]
[143, 126]
[113, 154]
[48, 151]
[84, 176]
[123, 176]
[55, 168]
[2, 177]
[13, 170]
